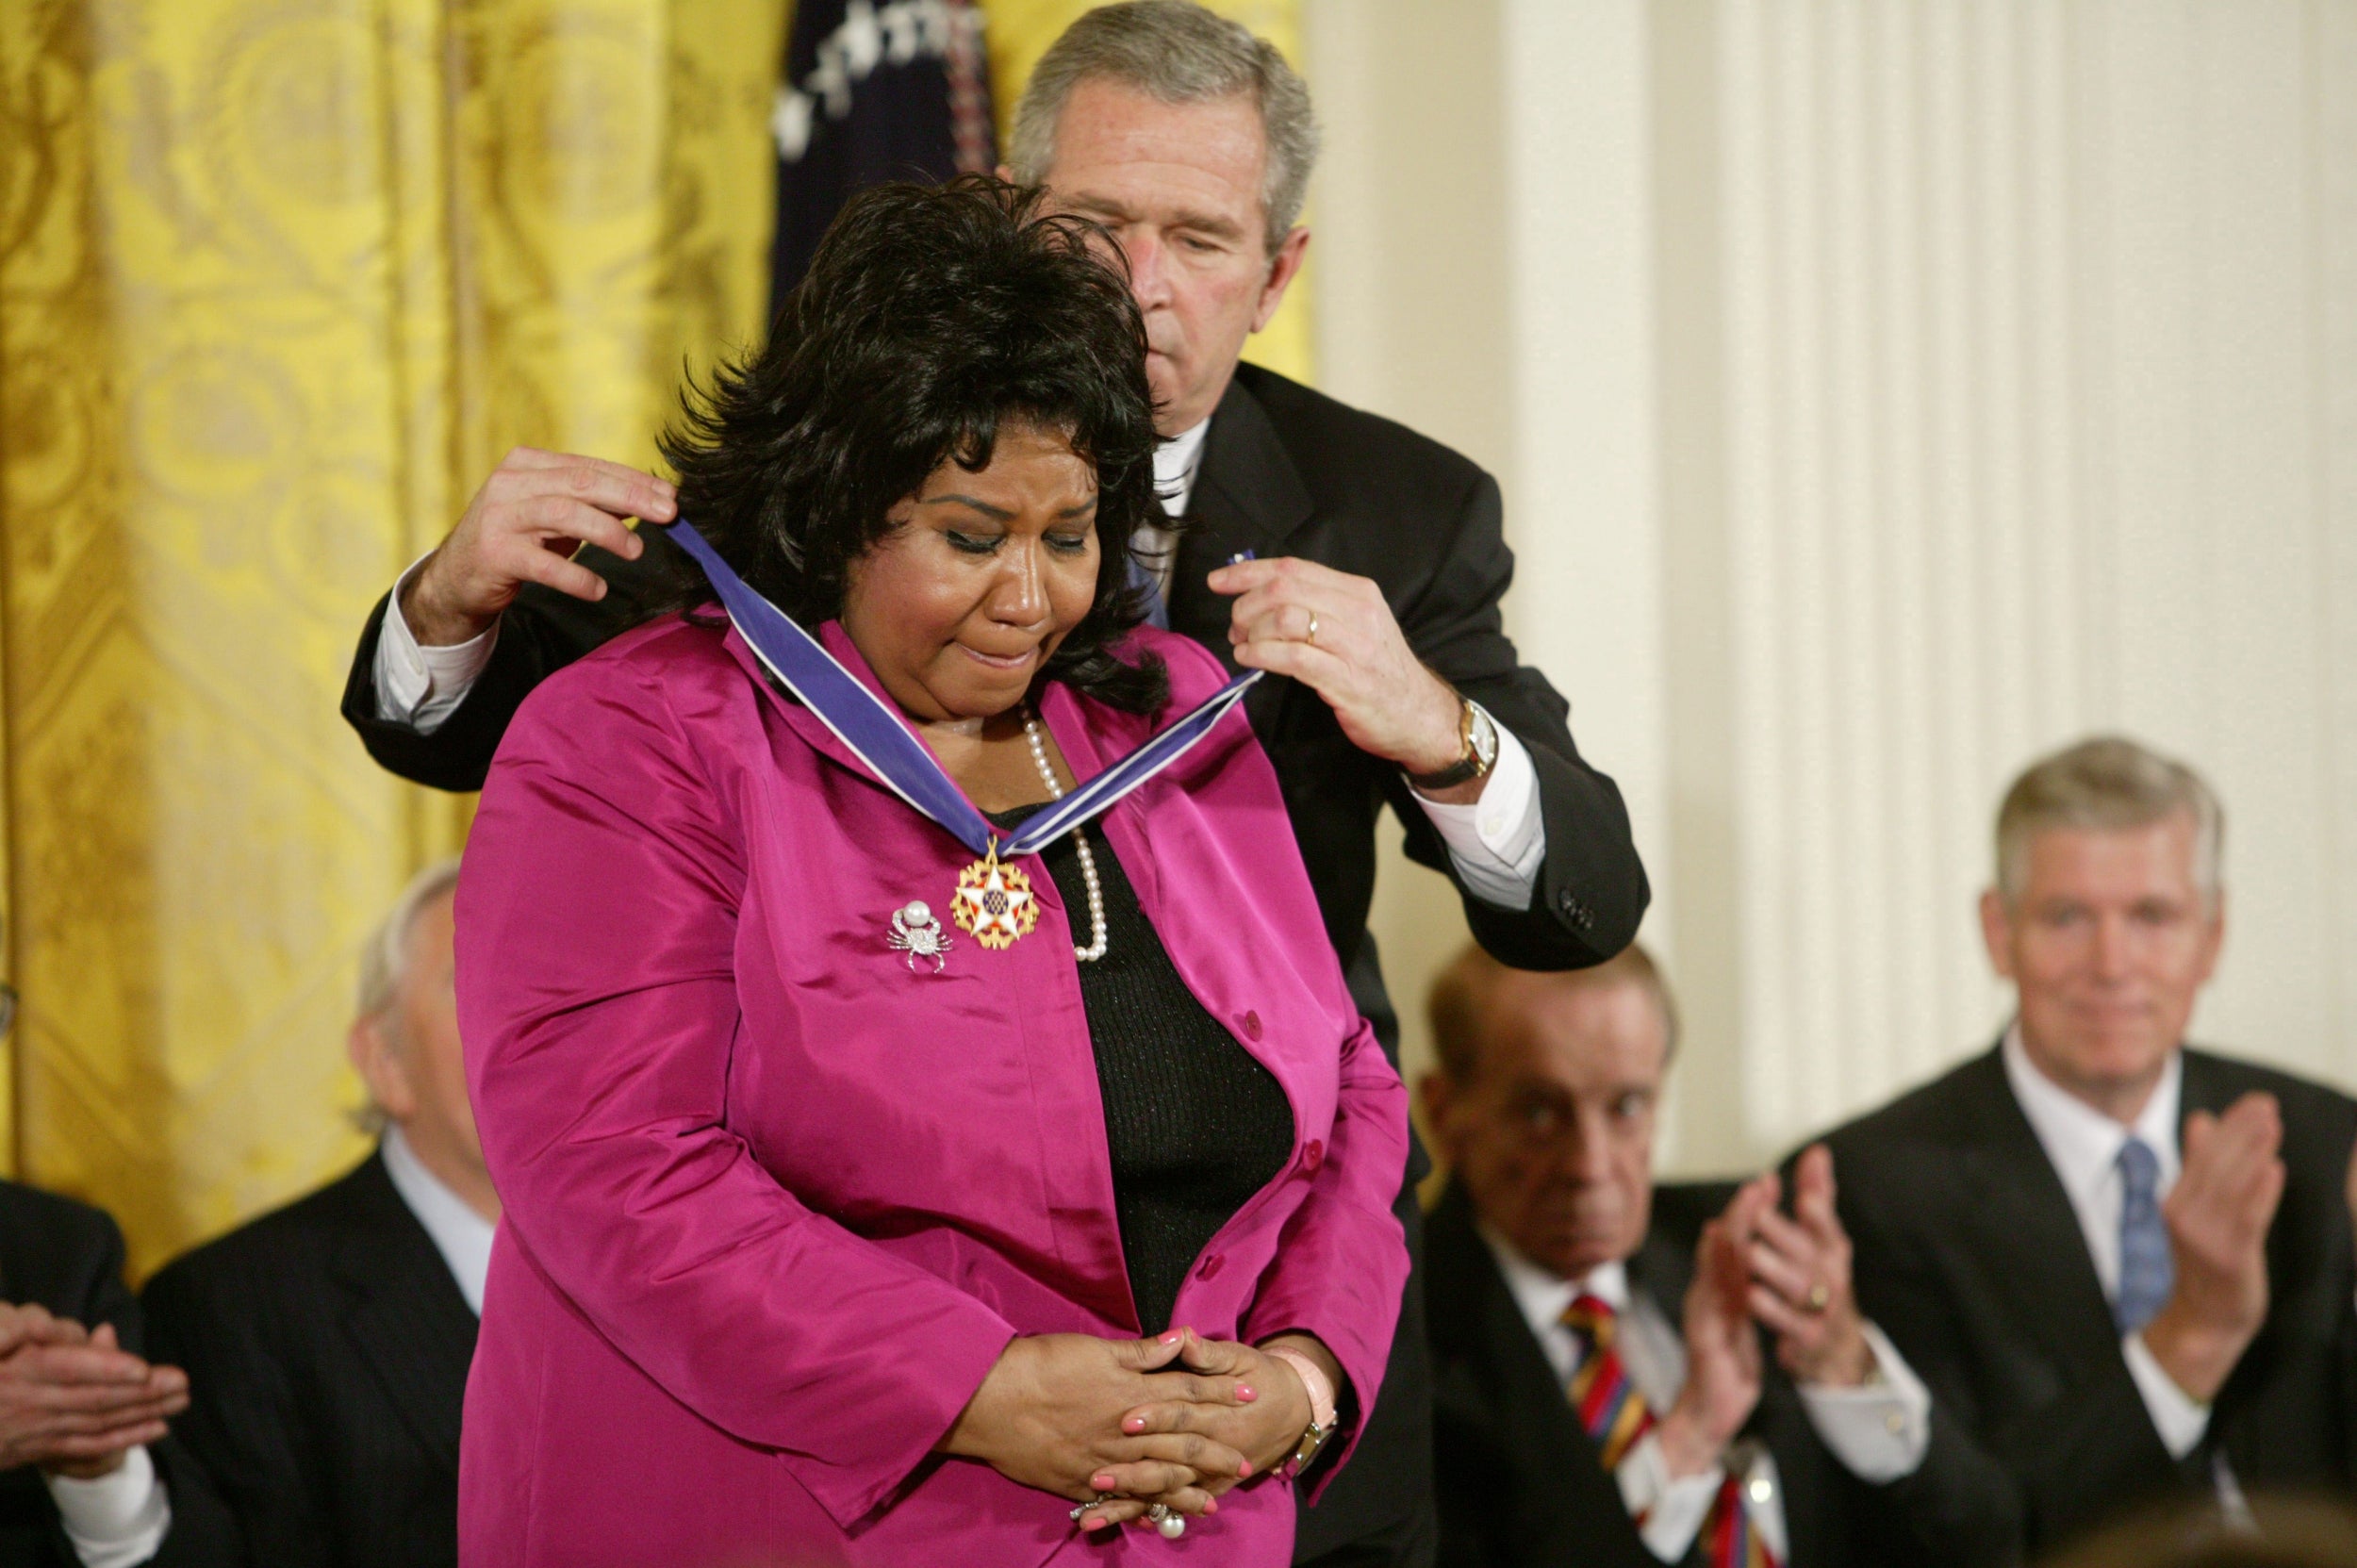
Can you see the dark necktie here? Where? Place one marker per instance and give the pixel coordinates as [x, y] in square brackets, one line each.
[2146, 1268]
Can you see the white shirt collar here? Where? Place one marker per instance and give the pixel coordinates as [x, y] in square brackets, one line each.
[462, 1236]
[1176, 462]
[2081, 1142]
[1543, 1295]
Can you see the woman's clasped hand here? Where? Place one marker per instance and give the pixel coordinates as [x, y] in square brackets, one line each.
[1123, 1425]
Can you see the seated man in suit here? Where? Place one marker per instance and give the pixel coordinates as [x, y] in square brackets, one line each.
[1601, 1392]
[77, 1409]
[328, 1343]
[2122, 1266]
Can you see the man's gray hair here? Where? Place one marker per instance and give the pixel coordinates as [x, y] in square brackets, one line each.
[2107, 784]
[1177, 52]
[385, 957]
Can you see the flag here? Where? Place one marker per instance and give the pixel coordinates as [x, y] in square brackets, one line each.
[873, 90]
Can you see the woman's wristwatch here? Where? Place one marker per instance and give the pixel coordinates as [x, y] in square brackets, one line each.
[1321, 1391]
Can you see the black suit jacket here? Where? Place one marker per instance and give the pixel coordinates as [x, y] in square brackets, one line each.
[1285, 470]
[327, 1347]
[1970, 1256]
[1521, 1482]
[67, 1257]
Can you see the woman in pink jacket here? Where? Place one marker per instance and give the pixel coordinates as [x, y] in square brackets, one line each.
[931, 1125]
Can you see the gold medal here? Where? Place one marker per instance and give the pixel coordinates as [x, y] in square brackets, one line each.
[994, 902]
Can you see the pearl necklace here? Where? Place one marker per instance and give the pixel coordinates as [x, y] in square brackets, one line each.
[1096, 949]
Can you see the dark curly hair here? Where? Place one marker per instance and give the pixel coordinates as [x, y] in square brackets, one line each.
[930, 315]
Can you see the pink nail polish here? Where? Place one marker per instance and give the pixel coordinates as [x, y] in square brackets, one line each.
[1210, 1504]
[1135, 1424]
[1174, 1336]
[1244, 1470]
[1246, 1394]
[1102, 1483]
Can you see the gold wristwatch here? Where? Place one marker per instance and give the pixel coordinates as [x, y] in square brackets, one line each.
[1479, 736]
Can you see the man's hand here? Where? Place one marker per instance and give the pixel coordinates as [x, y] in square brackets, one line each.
[1800, 1281]
[74, 1402]
[531, 514]
[1723, 1363]
[2218, 1215]
[1051, 1415]
[1390, 705]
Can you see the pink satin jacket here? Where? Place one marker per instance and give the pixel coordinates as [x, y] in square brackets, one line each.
[775, 1201]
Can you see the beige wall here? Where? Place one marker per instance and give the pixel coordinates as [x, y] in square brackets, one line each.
[1883, 394]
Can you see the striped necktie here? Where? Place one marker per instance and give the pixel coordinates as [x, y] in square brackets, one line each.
[1610, 1410]
[1730, 1536]
[1616, 1417]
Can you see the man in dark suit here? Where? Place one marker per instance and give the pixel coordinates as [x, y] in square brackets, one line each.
[2123, 1266]
[1373, 595]
[328, 1343]
[89, 1477]
[1601, 1392]
[77, 1408]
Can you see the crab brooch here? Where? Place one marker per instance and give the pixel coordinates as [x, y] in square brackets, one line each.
[917, 934]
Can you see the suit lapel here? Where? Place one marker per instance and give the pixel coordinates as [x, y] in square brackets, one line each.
[404, 1313]
[2023, 1222]
[1523, 1379]
[1247, 496]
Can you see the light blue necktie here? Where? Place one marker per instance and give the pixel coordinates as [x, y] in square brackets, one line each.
[2146, 1268]
[1157, 610]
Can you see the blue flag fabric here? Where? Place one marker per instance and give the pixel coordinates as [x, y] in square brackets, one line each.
[873, 90]
[889, 749]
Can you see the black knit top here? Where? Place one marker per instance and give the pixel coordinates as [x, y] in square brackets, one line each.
[1196, 1124]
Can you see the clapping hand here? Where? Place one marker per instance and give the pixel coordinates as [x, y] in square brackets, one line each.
[2217, 1215]
[1723, 1358]
[1051, 1414]
[72, 1400]
[1800, 1286]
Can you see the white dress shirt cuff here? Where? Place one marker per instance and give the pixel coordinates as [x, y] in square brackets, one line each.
[2177, 1416]
[421, 686]
[1669, 1512]
[1881, 1430]
[118, 1519]
[1498, 843]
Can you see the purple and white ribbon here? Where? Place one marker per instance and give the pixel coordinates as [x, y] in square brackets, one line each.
[884, 744]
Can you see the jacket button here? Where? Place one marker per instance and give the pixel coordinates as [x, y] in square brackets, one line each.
[1252, 1025]
[1565, 902]
[1209, 1266]
[1312, 1156]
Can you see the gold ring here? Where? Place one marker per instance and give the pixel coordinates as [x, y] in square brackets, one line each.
[1312, 638]
[1819, 1298]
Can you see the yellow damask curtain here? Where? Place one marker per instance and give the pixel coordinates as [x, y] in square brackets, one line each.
[280, 280]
